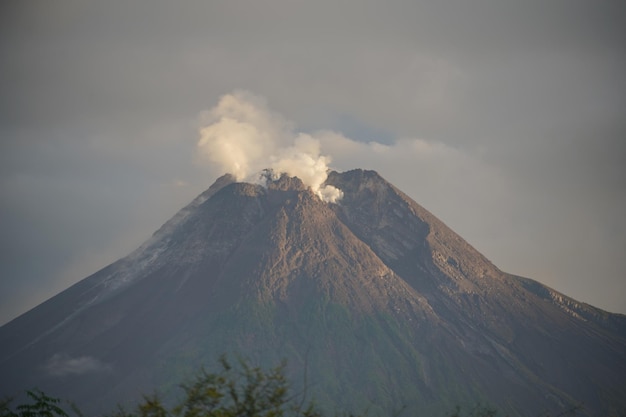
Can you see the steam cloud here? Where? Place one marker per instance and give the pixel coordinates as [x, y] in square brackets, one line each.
[243, 137]
[62, 365]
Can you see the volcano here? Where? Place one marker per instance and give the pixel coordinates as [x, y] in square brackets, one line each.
[374, 303]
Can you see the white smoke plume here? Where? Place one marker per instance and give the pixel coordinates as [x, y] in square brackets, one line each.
[242, 136]
[63, 364]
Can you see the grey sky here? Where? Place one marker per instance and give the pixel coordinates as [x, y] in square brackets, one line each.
[505, 119]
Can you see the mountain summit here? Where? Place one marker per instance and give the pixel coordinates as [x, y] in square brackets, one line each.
[374, 302]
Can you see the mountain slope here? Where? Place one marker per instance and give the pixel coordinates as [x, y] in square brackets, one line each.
[562, 347]
[379, 301]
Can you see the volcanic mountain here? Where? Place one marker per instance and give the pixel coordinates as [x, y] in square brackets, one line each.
[374, 299]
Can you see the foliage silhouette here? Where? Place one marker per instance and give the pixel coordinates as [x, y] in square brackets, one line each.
[234, 391]
[39, 405]
[478, 411]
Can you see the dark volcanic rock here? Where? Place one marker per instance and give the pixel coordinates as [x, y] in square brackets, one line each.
[382, 303]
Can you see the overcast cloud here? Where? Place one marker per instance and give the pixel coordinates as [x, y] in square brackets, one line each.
[505, 119]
